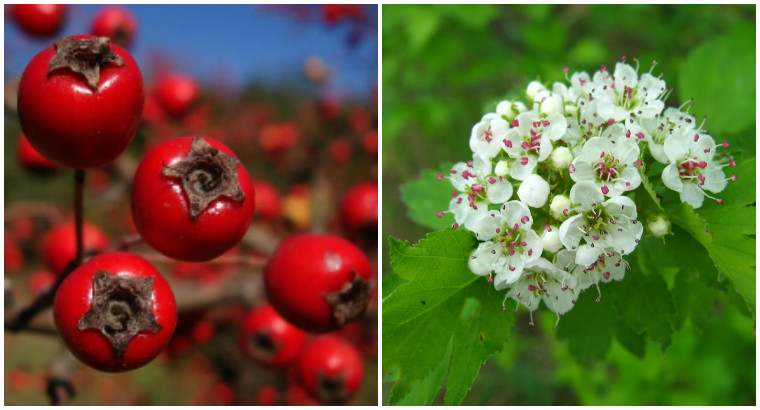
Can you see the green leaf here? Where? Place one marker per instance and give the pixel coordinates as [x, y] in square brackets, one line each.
[720, 77]
[440, 304]
[727, 231]
[427, 195]
[589, 326]
[645, 304]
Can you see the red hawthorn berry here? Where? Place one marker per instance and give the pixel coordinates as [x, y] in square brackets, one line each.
[117, 23]
[331, 369]
[369, 142]
[268, 204]
[39, 281]
[30, 158]
[267, 395]
[59, 245]
[329, 109]
[176, 93]
[39, 20]
[360, 120]
[268, 339]
[340, 150]
[318, 282]
[14, 258]
[115, 312]
[334, 13]
[296, 395]
[203, 331]
[97, 91]
[276, 138]
[192, 199]
[359, 207]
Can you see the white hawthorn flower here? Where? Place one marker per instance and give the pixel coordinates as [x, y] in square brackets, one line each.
[657, 130]
[533, 191]
[510, 243]
[560, 207]
[561, 157]
[692, 168]
[510, 109]
[599, 225]
[659, 226]
[477, 188]
[624, 95]
[529, 142]
[544, 281]
[608, 162]
[534, 87]
[550, 239]
[608, 267]
[487, 135]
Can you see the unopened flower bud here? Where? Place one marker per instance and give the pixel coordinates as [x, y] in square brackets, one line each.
[502, 168]
[534, 88]
[571, 109]
[659, 226]
[551, 105]
[534, 191]
[561, 157]
[504, 109]
[550, 239]
[559, 207]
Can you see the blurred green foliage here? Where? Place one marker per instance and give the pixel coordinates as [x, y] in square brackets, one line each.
[444, 66]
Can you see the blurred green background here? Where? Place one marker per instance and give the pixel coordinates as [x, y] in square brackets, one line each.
[445, 66]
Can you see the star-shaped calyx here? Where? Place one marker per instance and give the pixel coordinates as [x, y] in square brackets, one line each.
[207, 174]
[349, 302]
[121, 308]
[84, 56]
[332, 389]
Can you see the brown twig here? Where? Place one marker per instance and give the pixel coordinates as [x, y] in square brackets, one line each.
[59, 388]
[22, 317]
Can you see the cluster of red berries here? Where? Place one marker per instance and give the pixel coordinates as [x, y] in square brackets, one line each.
[192, 200]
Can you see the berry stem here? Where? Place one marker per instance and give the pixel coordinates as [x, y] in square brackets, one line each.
[20, 319]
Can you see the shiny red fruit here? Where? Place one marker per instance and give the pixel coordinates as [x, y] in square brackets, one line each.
[340, 150]
[81, 119]
[30, 158]
[13, 259]
[117, 23]
[296, 395]
[276, 138]
[267, 395]
[39, 20]
[192, 199]
[39, 281]
[115, 312]
[369, 142]
[331, 369]
[176, 93]
[318, 282]
[358, 209]
[268, 339]
[268, 203]
[59, 245]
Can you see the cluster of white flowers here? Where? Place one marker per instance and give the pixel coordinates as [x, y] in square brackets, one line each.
[572, 154]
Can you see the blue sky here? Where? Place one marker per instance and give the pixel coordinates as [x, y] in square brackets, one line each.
[245, 42]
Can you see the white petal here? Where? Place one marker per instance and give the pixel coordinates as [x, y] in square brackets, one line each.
[481, 165]
[593, 149]
[692, 195]
[675, 147]
[499, 192]
[715, 179]
[671, 179]
[485, 225]
[455, 176]
[569, 232]
[609, 111]
[511, 143]
[625, 76]
[544, 149]
[521, 293]
[628, 180]
[516, 213]
[586, 194]
[460, 209]
[483, 259]
[650, 109]
[626, 150]
[658, 152]
[535, 246]
[651, 87]
[520, 171]
[585, 255]
[557, 127]
[621, 205]
[559, 298]
[509, 271]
